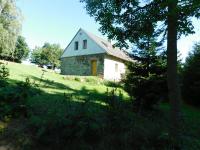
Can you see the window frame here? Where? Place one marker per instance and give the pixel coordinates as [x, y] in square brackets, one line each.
[76, 45]
[85, 44]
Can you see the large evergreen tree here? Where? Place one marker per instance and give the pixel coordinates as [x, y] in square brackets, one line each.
[191, 77]
[129, 20]
[146, 78]
[10, 26]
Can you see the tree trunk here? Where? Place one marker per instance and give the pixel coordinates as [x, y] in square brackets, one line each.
[172, 75]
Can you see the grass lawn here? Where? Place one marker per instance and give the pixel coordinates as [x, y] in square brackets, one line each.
[54, 83]
[79, 107]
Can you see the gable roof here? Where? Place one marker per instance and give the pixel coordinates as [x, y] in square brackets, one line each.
[106, 46]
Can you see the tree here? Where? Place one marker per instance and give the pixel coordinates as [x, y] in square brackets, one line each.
[21, 49]
[36, 57]
[49, 54]
[190, 77]
[53, 53]
[146, 78]
[10, 26]
[129, 20]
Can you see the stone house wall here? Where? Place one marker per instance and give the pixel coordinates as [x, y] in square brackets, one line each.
[81, 65]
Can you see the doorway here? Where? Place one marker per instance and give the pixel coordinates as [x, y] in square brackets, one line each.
[94, 67]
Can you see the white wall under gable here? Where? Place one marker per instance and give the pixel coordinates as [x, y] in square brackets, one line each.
[109, 69]
[92, 47]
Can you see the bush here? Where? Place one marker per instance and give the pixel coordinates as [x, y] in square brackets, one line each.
[77, 79]
[13, 99]
[149, 92]
[191, 78]
[4, 72]
[83, 126]
[86, 125]
[72, 126]
[126, 130]
[113, 84]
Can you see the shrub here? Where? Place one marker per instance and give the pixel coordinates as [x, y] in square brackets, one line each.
[77, 79]
[13, 99]
[63, 127]
[148, 92]
[4, 72]
[113, 84]
[126, 130]
[85, 125]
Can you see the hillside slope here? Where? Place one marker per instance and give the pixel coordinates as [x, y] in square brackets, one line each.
[52, 82]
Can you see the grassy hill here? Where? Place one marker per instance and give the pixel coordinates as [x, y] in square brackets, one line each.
[82, 113]
[51, 82]
[57, 95]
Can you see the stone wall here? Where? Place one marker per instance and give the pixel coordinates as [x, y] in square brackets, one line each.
[81, 65]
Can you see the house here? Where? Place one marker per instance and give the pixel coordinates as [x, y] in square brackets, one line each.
[89, 55]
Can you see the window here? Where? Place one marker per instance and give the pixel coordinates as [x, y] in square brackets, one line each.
[76, 45]
[116, 67]
[84, 44]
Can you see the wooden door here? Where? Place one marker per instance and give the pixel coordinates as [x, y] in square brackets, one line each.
[94, 67]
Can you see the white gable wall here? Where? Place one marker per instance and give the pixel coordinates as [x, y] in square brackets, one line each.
[92, 47]
[109, 69]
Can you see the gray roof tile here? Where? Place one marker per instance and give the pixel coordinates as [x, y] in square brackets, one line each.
[108, 47]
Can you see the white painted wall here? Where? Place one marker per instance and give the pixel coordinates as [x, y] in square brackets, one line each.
[92, 47]
[109, 69]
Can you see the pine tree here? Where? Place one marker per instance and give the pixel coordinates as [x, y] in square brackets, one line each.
[146, 79]
[191, 80]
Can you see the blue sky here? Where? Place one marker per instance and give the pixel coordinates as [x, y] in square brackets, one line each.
[58, 21]
[54, 21]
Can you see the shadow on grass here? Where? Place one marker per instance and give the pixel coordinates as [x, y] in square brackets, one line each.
[51, 118]
[83, 93]
[49, 83]
[83, 119]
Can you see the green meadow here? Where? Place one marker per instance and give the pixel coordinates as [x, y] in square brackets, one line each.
[87, 113]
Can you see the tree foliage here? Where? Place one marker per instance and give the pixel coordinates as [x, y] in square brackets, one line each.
[49, 54]
[21, 49]
[10, 26]
[191, 77]
[129, 20]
